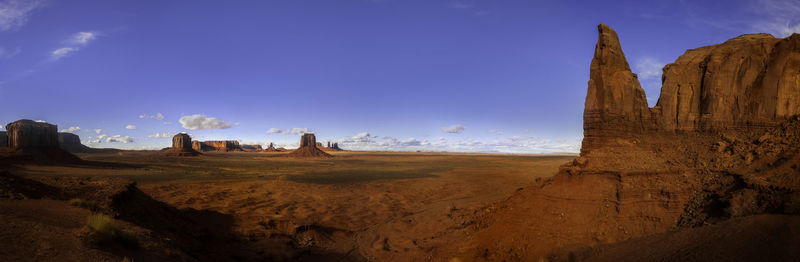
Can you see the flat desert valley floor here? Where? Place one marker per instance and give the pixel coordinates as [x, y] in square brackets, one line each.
[353, 206]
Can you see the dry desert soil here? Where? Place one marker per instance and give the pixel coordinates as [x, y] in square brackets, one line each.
[355, 206]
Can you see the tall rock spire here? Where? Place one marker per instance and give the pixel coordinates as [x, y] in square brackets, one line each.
[614, 96]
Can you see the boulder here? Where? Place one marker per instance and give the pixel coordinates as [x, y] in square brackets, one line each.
[308, 148]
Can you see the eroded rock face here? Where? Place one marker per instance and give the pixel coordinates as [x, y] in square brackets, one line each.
[3, 138]
[747, 84]
[182, 142]
[24, 134]
[182, 146]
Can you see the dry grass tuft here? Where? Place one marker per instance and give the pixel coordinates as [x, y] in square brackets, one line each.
[103, 231]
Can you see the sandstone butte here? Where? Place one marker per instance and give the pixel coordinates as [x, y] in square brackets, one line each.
[308, 148]
[222, 146]
[722, 142]
[27, 140]
[182, 146]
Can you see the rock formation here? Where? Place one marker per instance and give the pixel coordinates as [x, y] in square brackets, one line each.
[182, 146]
[27, 140]
[72, 143]
[308, 148]
[222, 146]
[252, 148]
[722, 142]
[271, 148]
[3, 138]
[335, 147]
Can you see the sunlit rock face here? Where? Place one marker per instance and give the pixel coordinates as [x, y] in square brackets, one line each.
[752, 81]
[182, 146]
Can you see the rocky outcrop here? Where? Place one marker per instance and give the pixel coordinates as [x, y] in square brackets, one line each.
[739, 88]
[182, 146]
[308, 148]
[32, 141]
[722, 142]
[335, 147]
[3, 138]
[221, 146]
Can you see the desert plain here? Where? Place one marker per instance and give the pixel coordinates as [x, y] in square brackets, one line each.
[354, 206]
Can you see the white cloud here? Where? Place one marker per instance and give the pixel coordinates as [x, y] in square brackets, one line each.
[198, 121]
[83, 38]
[273, 131]
[296, 131]
[40, 121]
[454, 129]
[130, 127]
[61, 52]
[514, 144]
[74, 43]
[14, 13]
[118, 139]
[495, 131]
[71, 129]
[649, 68]
[160, 135]
[98, 131]
[157, 116]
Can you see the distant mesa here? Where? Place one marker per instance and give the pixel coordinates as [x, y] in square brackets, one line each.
[271, 148]
[308, 148]
[72, 143]
[252, 148]
[219, 146]
[182, 146]
[332, 147]
[27, 140]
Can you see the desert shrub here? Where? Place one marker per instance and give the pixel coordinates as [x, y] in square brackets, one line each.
[103, 231]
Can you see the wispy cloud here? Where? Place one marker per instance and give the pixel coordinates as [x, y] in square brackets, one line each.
[454, 129]
[274, 131]
[83, 38]
[71, 129]
[130, 127]
[15, 13]
[74, 43]
[780, 17]
[198, 121]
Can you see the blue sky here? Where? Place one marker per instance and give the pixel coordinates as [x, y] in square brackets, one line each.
[455, 75]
